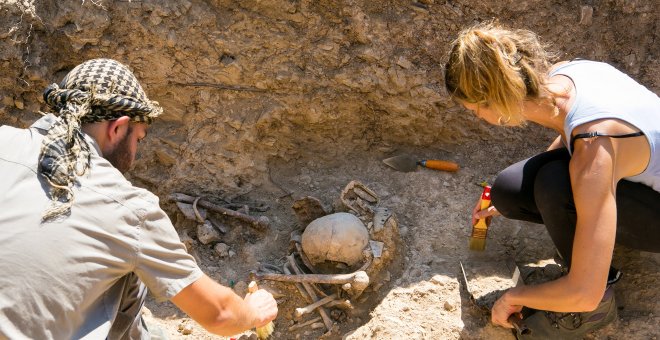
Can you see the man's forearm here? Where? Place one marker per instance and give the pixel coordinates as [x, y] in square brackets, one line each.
[215, 307]
[235, 315]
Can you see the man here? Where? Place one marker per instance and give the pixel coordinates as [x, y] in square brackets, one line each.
[80, 244]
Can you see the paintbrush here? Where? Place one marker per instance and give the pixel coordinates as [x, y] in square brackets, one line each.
[480, 229]
[263, 332]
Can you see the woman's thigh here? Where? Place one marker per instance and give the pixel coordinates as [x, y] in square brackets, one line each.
[513, 191]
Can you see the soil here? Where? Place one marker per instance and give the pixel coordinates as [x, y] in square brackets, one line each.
[270, 101]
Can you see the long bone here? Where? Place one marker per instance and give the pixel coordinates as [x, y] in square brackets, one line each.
[308, 309]
[261, 223]
[354, 283]
[324, 314]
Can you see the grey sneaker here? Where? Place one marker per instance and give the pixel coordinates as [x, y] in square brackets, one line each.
[551, 325]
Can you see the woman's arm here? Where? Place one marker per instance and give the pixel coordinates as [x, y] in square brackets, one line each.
[596, 167]
[556, 144]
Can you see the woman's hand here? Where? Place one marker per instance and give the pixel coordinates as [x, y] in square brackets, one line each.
[487, 213]
[502, 310]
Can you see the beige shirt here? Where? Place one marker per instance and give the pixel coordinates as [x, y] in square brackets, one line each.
[57, 278]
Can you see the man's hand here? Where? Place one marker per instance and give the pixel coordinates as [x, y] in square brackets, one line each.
[218, 309]
[502, 310]
[263, 306]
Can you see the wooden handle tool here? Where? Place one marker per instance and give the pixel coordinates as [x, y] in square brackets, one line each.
[439, 165]
[480, 229]
[263, 332]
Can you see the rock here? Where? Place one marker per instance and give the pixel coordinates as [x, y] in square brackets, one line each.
[403, 62]
[416, 272]
[189, 212]
[448, 306]
[7, 100]
[586, 15]
[187, 329]
[440, 280]
[206, 233]
[19, 104]
[221, 249]
[308, 209]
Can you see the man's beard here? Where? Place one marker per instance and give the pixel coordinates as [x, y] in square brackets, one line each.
[120, 157]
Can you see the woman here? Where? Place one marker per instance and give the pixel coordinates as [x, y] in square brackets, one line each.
[599, 181]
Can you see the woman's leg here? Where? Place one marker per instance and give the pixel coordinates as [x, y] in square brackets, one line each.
[513, 191]
[638, 216]
[539, 190]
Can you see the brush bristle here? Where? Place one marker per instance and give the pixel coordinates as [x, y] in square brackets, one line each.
[265, 331]
[477, 243]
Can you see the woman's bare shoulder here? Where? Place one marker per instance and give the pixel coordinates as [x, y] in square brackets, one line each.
[556, 65]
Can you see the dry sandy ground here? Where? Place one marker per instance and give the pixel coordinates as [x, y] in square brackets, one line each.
[425, 297]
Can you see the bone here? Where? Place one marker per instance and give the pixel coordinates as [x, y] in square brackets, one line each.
[198, 217]
[306, 323]
[320, 293]
[359, 284]
[304, 258]
[358, 276]
[324, 314]
[341, 304]
[260, 223]
[270, 268]
[301, 289]
[308, 309]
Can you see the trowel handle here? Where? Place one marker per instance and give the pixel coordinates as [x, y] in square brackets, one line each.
[519, 324]
[439, 165]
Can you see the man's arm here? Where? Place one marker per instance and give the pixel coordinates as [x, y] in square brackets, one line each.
[220, 311]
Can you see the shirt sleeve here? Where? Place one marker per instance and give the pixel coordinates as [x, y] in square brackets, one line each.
[162, 262]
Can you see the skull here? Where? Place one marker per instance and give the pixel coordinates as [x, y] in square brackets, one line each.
[339, 237]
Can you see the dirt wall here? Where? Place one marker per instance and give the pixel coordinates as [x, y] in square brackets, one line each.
[247, 82]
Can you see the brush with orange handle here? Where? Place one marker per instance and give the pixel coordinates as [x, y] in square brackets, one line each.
[480, 229]
[263, 332]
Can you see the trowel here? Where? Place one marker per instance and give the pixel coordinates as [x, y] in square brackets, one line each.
[407, 163]
[482, 280]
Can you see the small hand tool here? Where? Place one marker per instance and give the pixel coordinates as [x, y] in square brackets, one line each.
[407, 163]
[518, 323]
[480, 229]
[263, 332]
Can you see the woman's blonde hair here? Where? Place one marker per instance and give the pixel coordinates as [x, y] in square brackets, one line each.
[493, 66]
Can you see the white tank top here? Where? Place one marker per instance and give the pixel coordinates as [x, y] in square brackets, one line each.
[602, 91]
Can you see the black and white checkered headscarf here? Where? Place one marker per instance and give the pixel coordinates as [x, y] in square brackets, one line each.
[96, 90]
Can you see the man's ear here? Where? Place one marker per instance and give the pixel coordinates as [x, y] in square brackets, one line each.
[117, 129]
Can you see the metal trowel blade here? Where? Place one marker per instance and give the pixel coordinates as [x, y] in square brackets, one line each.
[403, 163]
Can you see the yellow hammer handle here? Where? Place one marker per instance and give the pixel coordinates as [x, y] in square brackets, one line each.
[440, 165]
